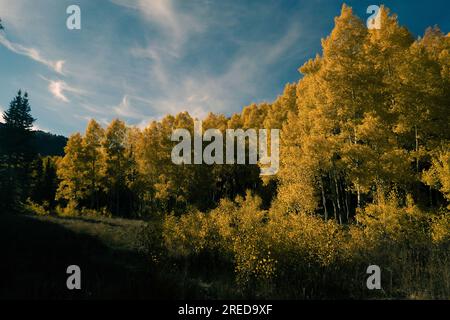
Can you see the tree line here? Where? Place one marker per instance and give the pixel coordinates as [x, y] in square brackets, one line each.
[369, 115]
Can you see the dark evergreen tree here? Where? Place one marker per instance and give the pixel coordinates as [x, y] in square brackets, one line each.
[44, 182]
[19, 113]
[17, 152]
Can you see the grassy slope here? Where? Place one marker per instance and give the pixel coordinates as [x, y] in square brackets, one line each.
[35, 252]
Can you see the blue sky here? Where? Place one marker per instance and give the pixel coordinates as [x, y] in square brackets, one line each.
[141, 59]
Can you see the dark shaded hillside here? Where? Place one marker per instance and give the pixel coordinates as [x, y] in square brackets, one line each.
[36, 252]
[47, 144]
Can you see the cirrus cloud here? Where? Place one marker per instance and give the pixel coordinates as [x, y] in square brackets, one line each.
[33, 54]
[59, 89]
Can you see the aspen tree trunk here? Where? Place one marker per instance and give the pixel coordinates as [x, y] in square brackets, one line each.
[324, 201]
[343, 193]
[431, 196]
[118, 189]
[338, 202]
[417, 147]
[93, 195]
[347, 208]
[357, 180]
[358, 194]
[334, 210]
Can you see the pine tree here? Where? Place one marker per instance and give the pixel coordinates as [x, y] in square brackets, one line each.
[19, 113]
[45, 182]
[17, 150]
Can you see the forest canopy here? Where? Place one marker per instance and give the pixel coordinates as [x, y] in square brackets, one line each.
[370, 115]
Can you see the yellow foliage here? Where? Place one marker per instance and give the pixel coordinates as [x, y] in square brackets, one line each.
[441, 228]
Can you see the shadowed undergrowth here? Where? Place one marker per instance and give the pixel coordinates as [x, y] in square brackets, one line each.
[35, 253]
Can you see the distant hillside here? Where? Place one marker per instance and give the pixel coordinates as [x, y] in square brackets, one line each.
[47, 144]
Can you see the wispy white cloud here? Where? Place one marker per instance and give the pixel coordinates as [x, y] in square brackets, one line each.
[124, 109]
[94, 109]
[158, 57]
[1, 114]
[103, 121]
[33, 54]
[201, 92]
[59, 89]
[161, 12]
[183, 56]
[144, 123]
[14, 14]
[178, 26]
[37, 127]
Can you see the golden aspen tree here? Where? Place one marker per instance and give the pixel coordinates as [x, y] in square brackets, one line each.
[115, 163]
[438, 176]
[421, 100]
[133, 181]
[94, 161]
[278, 111]
[70, 172]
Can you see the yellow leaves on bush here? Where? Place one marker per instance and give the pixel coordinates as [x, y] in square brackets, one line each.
[185, 235]
[304, 238]
[261, 243]
[441, 229]
[387, 220]
[35, 208]
[275, 247]
[438, 176]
